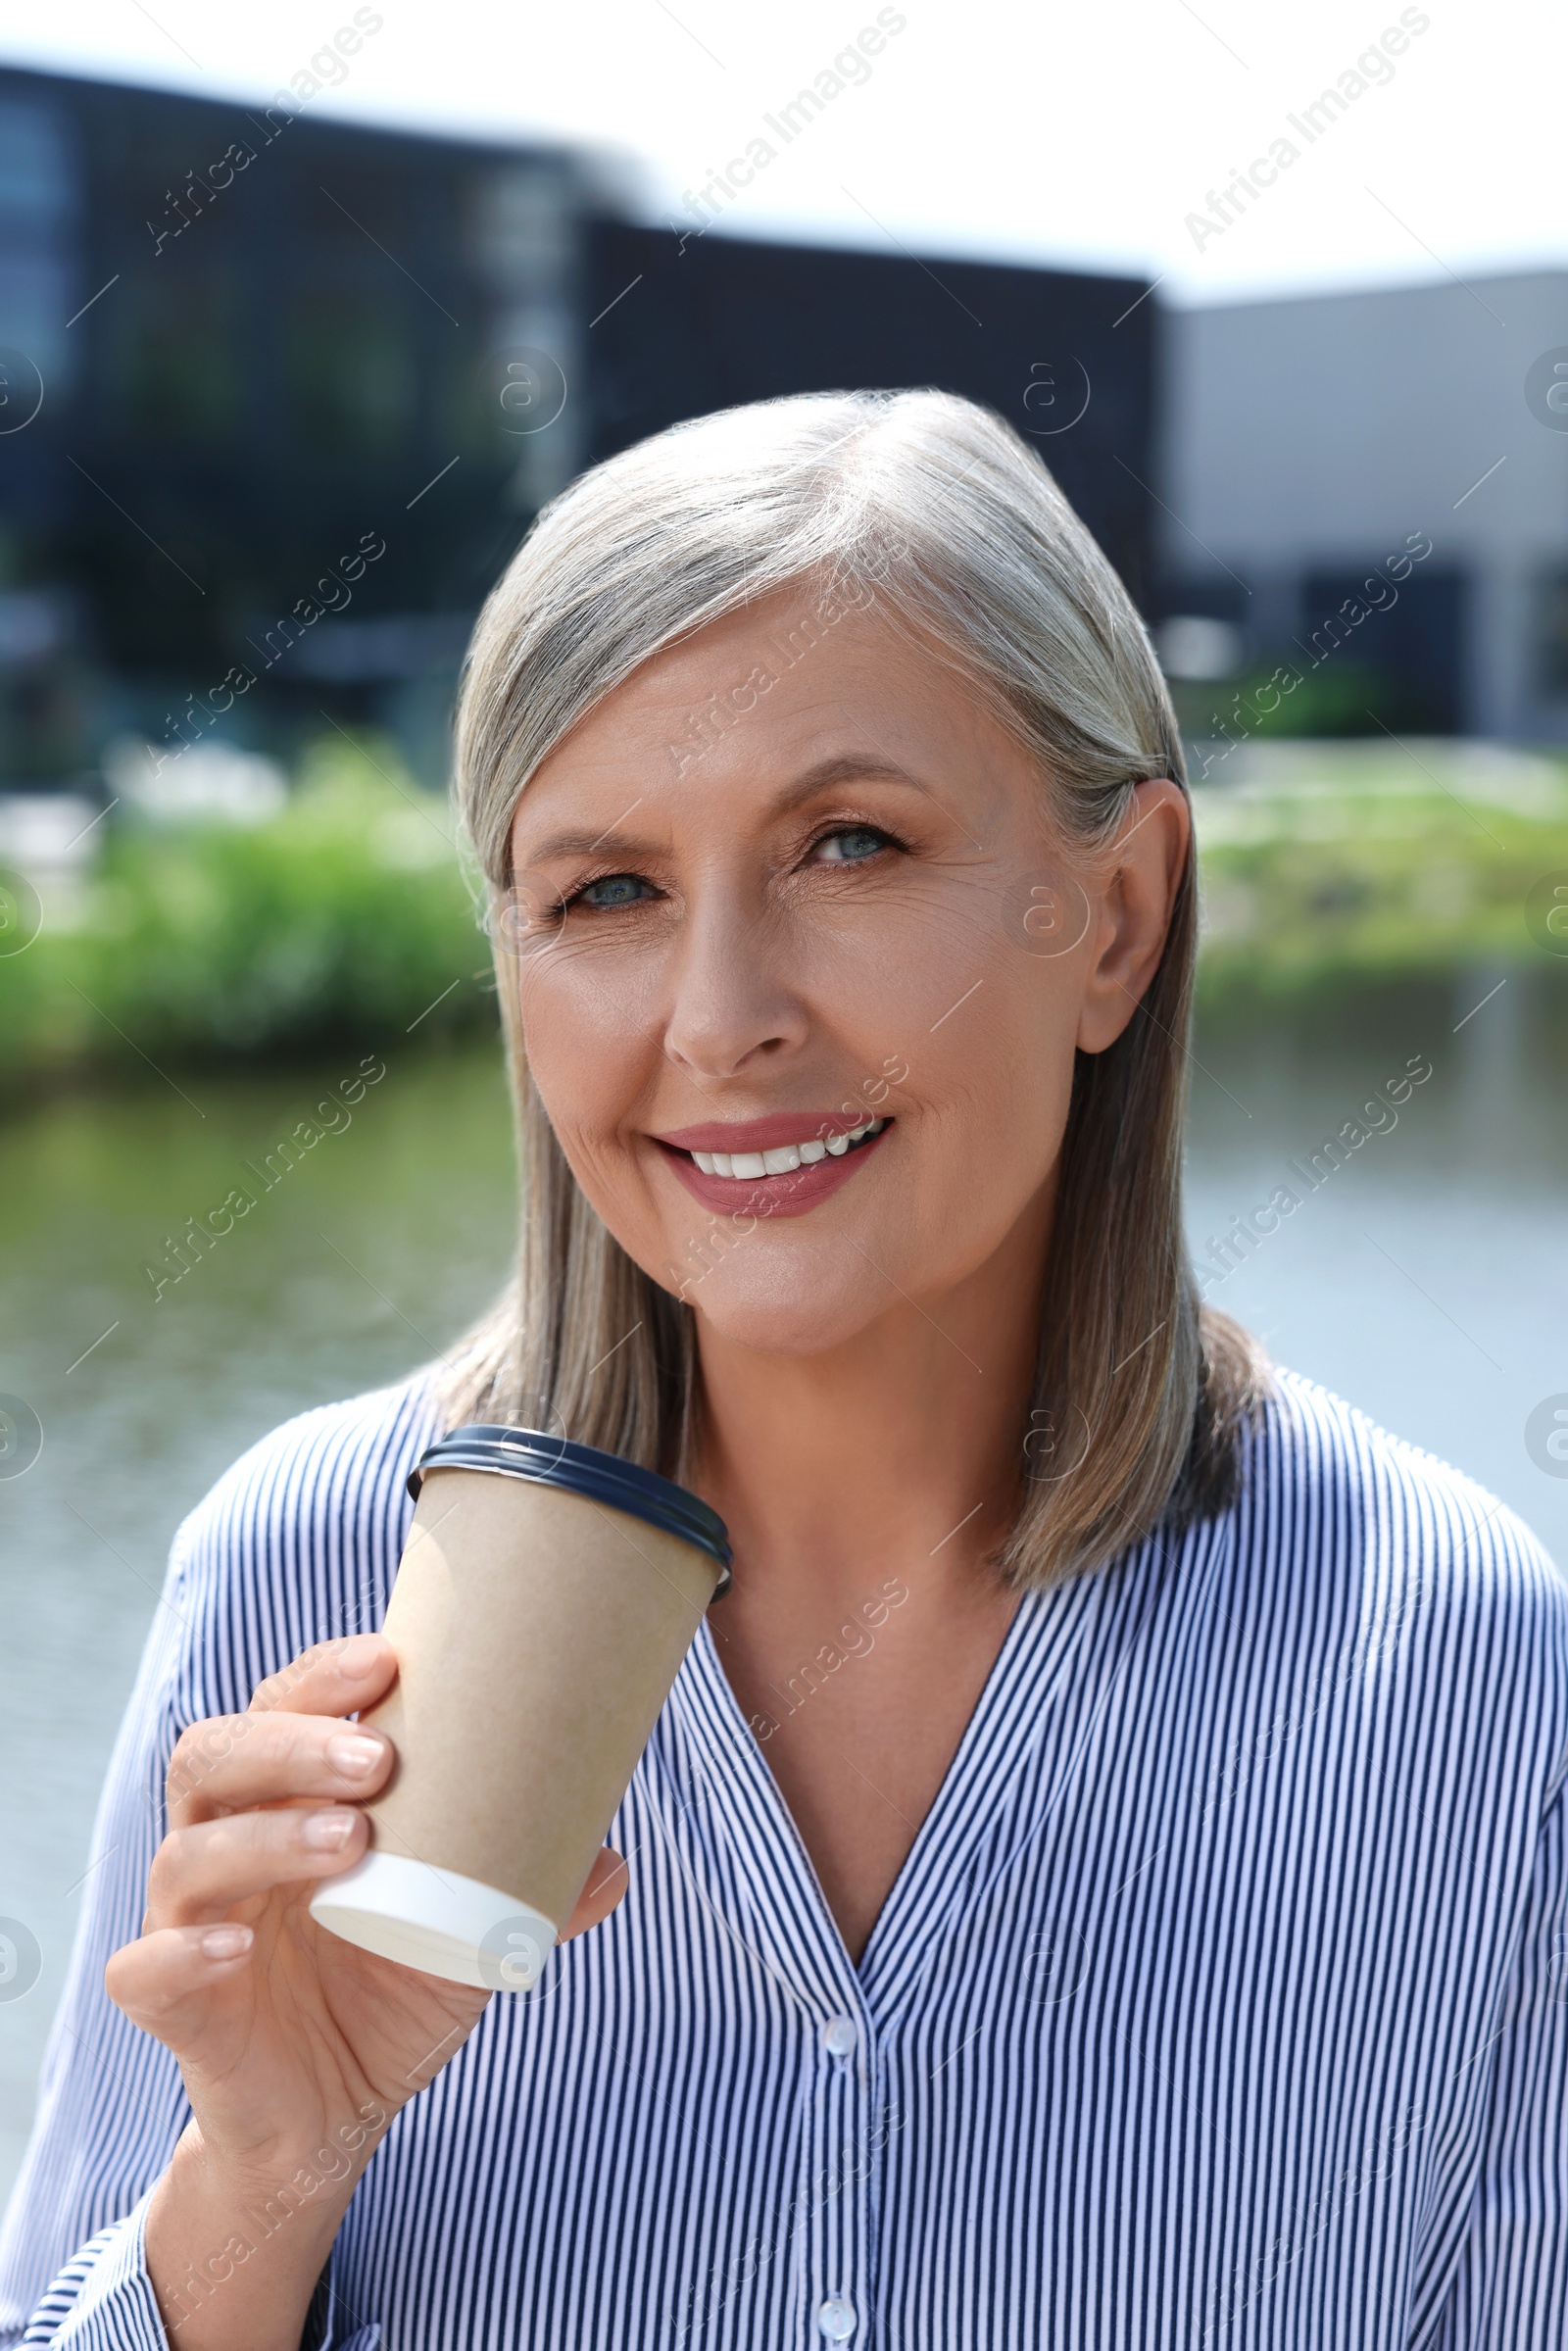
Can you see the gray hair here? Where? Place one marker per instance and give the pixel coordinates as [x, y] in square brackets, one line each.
[942, 512]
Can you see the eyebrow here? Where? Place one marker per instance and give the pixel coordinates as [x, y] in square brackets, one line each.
[846, 768]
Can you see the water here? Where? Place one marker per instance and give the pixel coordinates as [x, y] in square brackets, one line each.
[1425, 1278]
[362, 1260]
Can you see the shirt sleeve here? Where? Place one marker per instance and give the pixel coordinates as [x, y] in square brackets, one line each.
[111, 2101]
[298, 1542]
[1510, 2290]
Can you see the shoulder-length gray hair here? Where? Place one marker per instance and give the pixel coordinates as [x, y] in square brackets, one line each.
[1138, 1391]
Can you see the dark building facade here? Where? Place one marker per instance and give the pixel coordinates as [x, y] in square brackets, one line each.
[279, 394]
[706, 323]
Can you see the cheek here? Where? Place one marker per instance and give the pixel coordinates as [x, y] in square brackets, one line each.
[996, 1072]
[584, 990]
[587, 1033]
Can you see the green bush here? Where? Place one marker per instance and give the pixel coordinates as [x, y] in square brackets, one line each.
[345, 919]
[1373, 862]
[1338, 700]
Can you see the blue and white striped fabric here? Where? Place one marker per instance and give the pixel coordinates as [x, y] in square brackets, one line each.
[1221, 2001]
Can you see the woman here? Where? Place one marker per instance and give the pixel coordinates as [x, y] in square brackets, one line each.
[1099, 1877]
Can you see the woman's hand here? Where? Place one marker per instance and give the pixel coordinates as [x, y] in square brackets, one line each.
[297, 2048]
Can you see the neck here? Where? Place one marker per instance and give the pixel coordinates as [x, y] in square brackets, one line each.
[897, 1452]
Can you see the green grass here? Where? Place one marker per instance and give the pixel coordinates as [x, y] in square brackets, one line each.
[348, 918]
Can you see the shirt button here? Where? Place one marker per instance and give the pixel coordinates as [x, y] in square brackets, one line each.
[839, 2037]
[836, 2318]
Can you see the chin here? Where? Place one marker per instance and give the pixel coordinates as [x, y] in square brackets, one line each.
[790, 1310]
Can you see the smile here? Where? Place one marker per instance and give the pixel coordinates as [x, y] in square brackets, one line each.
[747, 1166]
[794, 1167]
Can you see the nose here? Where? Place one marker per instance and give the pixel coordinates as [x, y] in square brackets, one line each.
[734, 1004]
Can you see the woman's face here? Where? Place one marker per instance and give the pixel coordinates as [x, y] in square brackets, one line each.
[802, 971]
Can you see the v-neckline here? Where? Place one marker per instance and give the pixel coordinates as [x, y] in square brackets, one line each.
[1035, 1648]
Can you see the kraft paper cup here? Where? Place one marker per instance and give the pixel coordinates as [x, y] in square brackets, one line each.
[544, 1601]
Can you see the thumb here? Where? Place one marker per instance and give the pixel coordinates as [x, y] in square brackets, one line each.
[608, 1881]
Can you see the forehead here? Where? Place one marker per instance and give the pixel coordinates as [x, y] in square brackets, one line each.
[760, 700]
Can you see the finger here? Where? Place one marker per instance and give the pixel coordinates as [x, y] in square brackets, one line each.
[163, 1979]
[608, 1881]
[332, 1677]
[199, 1873]
[235, 1762]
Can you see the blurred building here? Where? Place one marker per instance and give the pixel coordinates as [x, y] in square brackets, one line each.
[1311, 444]
[278, 395]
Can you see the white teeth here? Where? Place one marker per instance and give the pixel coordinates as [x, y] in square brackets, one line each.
[747, 1166]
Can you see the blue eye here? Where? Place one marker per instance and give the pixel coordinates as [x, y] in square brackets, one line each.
[611, 891]
[850, 846]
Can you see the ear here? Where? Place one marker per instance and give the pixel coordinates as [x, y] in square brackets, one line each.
[1142, 869]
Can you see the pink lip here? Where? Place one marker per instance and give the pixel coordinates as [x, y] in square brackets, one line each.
[768, 1196]
[769, 1134]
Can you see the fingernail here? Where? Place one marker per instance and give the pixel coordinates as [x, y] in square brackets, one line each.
[327, 1831]
[360, 1655]
[352, 1755]
[226, 1942]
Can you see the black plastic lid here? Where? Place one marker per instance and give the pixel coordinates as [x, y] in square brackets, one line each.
[583, 1469]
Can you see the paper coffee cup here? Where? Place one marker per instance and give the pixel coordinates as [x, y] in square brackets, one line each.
[546, 1597]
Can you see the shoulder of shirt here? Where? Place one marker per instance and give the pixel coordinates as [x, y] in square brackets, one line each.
[305, 1527]
[1361, 1497]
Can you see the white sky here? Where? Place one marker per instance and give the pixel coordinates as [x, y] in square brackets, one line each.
[1079, 135]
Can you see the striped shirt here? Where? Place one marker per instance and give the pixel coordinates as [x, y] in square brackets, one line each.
[1221, 2000]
